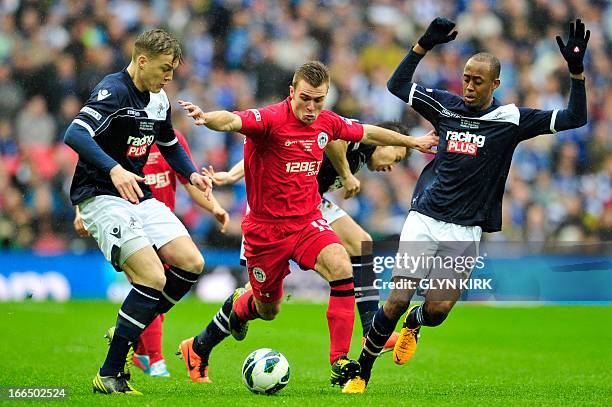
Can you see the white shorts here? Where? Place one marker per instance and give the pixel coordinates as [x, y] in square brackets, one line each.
[432, 244]
[113, 222]
[330, 211]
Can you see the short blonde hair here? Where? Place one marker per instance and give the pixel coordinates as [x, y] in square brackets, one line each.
[157, 42]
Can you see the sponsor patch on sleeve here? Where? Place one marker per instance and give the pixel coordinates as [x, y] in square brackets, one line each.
[92, 112]
[257, 114]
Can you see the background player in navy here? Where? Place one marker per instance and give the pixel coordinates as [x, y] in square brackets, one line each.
[459, 194]
[355, 156]
[126, 113]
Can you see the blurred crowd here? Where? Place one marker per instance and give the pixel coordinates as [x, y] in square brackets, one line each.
[241, 54]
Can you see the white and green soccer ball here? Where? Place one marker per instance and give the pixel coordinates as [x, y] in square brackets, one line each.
[265, 371]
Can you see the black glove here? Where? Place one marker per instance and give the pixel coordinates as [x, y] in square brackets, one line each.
[438, 32]
[574, 50]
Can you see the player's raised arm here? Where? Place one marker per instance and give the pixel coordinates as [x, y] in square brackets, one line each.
[336, 152]
[534, 122]
[220, 120]
[440, 31]
[575, 115]
[384, 137]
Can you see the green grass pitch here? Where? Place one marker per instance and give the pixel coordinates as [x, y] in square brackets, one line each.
[549, 355]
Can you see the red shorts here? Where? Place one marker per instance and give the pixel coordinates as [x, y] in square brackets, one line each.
[268, 247]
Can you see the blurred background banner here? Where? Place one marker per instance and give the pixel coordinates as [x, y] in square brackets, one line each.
[25, 275]
[508, 272]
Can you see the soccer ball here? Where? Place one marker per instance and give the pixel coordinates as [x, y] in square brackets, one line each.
[265, 371]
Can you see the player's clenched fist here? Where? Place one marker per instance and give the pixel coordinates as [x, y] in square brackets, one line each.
[440, 31]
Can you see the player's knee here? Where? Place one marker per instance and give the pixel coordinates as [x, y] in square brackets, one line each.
[336, 263]
[194, 263]
[198, 266]
[156, 280]
[160, 281]
[268, 312]
[342, 270]
[353, 247]
[365, 237]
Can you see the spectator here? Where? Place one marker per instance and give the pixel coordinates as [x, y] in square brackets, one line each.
[52, 53]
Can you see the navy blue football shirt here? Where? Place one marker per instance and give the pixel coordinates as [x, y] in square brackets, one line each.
[124, 122]
[465, 182]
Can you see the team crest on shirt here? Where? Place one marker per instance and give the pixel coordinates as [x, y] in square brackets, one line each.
[322, 140]
[259, 274]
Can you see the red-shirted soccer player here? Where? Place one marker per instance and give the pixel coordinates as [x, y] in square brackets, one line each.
[161, 178]
[282, 155]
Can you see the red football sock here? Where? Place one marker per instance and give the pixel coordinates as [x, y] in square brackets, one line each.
[151, 340]
[244, 307]
[140, 348]
[340, 317]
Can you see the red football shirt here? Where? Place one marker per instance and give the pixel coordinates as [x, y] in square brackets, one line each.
[282, 157]
[161, 177]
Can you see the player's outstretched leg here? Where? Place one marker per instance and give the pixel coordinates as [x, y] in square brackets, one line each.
[196, 351]
[178, 284]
